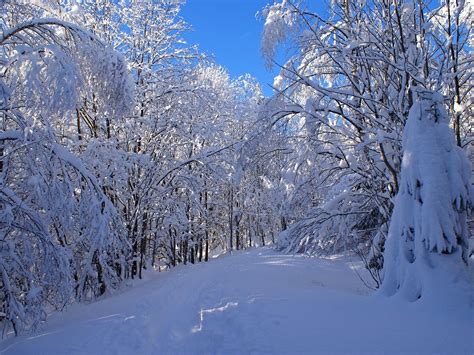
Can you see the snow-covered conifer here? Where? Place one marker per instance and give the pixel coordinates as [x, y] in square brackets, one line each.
[427, 245]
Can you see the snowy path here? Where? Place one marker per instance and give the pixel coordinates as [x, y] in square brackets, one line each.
[252, 302]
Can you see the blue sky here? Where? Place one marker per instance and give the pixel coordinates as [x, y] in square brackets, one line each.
[228, 30]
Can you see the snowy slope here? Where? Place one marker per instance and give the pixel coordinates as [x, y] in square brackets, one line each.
[254, 302]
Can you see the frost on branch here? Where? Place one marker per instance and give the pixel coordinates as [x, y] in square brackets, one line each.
[427, 246]
[279, 20]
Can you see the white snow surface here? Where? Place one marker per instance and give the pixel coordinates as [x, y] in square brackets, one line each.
[253, 302]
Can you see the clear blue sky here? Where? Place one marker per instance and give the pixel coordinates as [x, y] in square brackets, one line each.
[228, 30]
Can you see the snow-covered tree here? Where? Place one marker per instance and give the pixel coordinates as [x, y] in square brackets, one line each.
[427, 244]
[61, 237]
[347, 89]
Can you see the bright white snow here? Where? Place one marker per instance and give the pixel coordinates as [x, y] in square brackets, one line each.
[257, 301]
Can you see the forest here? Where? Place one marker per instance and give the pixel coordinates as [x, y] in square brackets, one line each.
[123, 149]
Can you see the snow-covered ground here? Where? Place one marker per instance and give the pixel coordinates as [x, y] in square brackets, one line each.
[257, 301]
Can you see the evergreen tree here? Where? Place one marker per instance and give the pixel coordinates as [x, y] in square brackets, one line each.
[427, 246]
